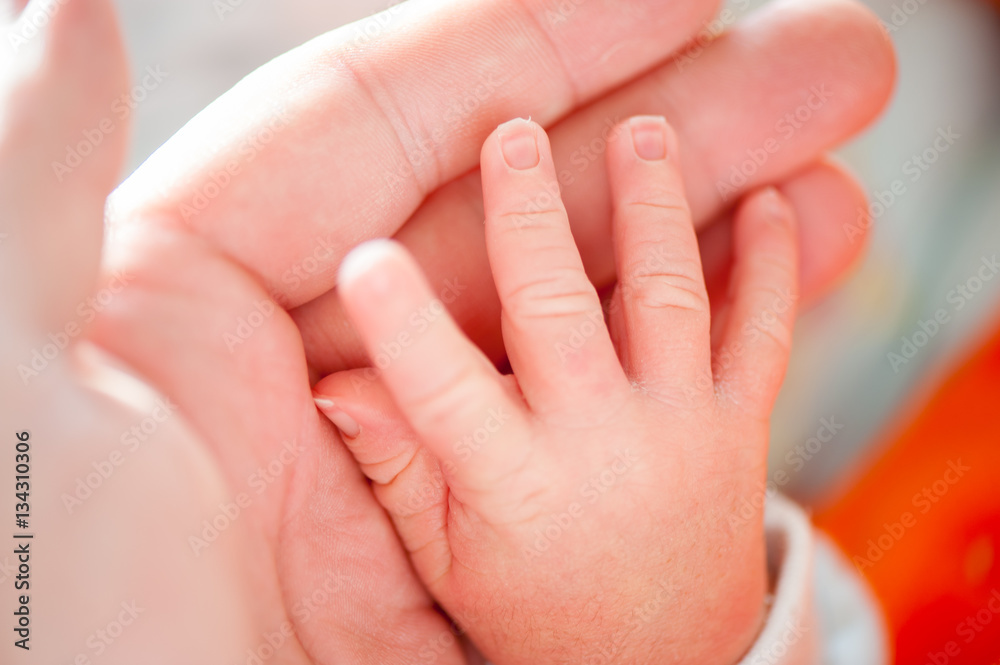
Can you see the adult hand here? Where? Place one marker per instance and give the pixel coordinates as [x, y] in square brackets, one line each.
[352, 137]
[340, 141]
[348, 138]
[247, 538]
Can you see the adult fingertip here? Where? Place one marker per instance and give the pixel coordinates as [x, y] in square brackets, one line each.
[834, 225]
[863, 45]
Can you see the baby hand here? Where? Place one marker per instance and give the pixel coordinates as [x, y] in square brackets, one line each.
[589, 509]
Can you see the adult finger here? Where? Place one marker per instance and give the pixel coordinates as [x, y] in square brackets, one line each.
[61, 151]
[833, 231]
[834, 225]
[752, 62]
[341, 139]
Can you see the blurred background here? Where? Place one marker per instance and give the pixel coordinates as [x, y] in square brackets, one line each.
[887, 426]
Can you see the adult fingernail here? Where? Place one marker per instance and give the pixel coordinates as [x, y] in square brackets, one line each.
[347, 425]
[519, 145]
[649, 137]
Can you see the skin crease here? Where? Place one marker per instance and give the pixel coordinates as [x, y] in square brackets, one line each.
[194, 284]
[669, 455]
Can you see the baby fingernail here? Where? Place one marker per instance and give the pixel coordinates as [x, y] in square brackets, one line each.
[347, 425]
[649, 137]
[776, 207]
[773, 201]
[519, 145]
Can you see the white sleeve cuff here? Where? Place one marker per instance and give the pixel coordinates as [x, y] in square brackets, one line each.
[822, 612]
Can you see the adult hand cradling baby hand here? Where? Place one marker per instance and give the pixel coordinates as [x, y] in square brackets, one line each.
[241, 526]
[627, 441]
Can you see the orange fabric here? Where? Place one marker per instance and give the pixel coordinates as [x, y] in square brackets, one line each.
[923, 524]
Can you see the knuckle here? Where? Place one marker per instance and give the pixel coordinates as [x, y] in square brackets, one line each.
[662, 204]
[670, 298]
[770, 263]
[435, 407]
[756, 387]
[780, 335]
[536, 220]
[773, 330]
[677, 287]
[558, 293]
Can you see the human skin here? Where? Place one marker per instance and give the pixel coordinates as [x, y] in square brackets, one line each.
[581, 509]
[191, 282]
[404, 155]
